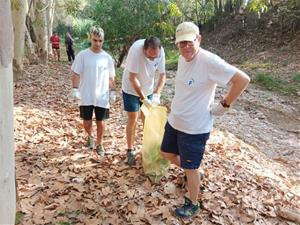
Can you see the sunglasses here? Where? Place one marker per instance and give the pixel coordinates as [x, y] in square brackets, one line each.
[183, 44]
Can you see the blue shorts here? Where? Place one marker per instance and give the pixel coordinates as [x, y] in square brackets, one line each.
[190, 147]
[132, 103]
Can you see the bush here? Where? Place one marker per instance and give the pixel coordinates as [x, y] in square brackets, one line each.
[276, 84]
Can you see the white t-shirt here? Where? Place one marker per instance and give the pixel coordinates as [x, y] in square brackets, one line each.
[137, 62]
[195, 86]
[94, 70]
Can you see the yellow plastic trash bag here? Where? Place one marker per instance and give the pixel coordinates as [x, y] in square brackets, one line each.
[155, 119]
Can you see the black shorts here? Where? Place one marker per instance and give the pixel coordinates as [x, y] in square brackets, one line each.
[86, 112]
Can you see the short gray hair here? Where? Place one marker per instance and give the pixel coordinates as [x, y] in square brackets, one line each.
[97, 31]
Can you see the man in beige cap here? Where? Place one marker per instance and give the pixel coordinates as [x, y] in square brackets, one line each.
[192, 111]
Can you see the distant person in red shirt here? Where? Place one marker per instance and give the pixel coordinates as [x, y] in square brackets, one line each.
[54, 39]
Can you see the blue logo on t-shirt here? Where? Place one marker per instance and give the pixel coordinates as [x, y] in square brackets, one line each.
[191, 82]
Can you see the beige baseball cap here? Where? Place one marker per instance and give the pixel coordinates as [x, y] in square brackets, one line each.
[186, 31]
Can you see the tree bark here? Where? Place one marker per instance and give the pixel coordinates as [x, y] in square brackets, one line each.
[216, 6]
[30, 48]
[41, 30]
[50, 17]
[7, 158]
[18, 16]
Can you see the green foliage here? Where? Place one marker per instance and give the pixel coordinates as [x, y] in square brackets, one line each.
[258, 6]
[81, 28]
[296, 77]
[72, 7]
[174, 10]
[275, 84]
[205, 11]
[19, 217]
[198, 11]
[125, 21]
[293, 3]
[119, 74]
[287, 16]
[61, 29]
[172, 55]
[253, 65]
[15, 5]
[63, 223]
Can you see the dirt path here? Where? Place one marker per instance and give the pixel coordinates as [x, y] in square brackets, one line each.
[61, 182]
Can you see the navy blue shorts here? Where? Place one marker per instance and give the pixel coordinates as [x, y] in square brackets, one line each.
[132, 103]
[86, 112]
[190, 147]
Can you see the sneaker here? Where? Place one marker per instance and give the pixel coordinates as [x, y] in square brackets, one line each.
[100, 150]
[130, 157]
[187, 210]
[90, 143]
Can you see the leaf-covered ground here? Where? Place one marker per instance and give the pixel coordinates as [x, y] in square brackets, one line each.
[62, 182]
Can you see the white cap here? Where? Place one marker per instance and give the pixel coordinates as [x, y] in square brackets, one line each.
[186, 31]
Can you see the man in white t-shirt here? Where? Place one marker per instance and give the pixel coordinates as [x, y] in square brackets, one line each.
[191, 119]
[145, 58]
[93, 76]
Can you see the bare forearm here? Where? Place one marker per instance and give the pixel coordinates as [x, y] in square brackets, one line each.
[239, 82]
[136, 85]
[75, 80]
[160, 83]
[112, 84]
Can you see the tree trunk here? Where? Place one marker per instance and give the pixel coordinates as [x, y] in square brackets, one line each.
[30, 48]
[228, 7]
[215, 6]
[40, 25]
[220, 7]
[124, 52]
[18, 16]
[50, 17]
[7, 158]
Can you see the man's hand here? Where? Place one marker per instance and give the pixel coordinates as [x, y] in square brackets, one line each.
[156, 99]
[112, 96]
[75, 93]
[217, 109]
[147, 103]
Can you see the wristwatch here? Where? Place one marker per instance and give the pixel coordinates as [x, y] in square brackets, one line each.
[224, 104]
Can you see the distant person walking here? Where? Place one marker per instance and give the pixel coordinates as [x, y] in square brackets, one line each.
[145, 58]
[69, 42]
[192, 110]
[54, 39]
[93, 77]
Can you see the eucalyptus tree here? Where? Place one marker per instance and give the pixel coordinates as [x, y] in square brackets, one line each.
[19, 9]
[50, 18]
[7, 151]
[41, 30]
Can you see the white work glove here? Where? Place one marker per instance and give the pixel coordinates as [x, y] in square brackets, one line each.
[147, 103]
[112, 96]
[156, 99]
[75, 93]
[217, 109]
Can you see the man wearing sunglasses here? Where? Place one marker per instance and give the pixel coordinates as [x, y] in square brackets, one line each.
[144, 59]
[192, 111]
